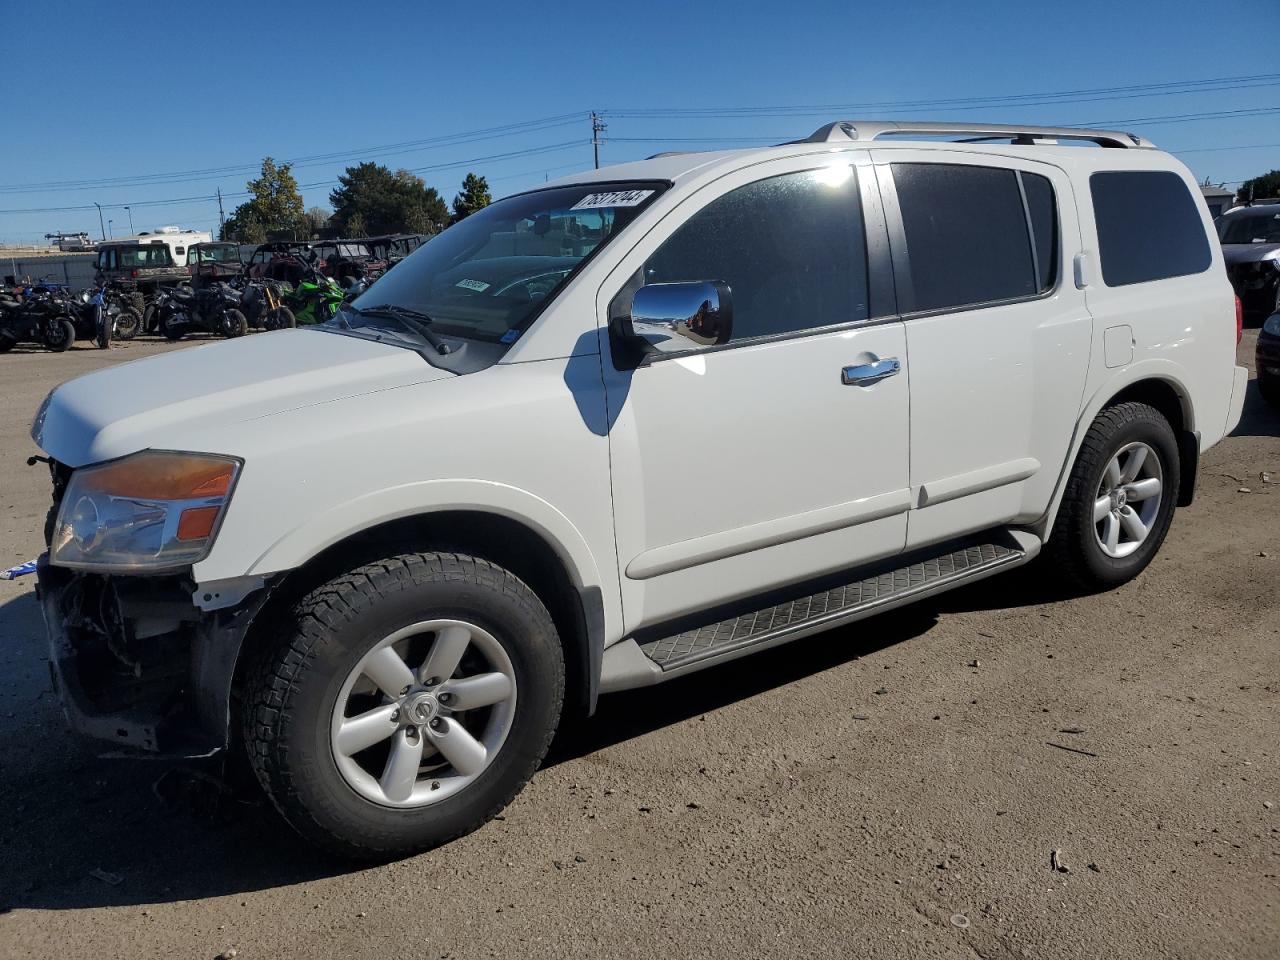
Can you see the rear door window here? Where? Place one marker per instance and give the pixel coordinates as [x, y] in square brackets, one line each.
[967, 235]
[1149, 227]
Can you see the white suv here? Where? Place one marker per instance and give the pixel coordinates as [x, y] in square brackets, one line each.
[625, 427]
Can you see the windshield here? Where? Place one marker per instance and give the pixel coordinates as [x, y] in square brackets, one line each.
[491, 273]
[1261, 227]
[151, 255]
[221, 253]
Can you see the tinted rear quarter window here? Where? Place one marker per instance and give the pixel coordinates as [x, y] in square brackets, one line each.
[1149, 227]
[1044, 227]
[966, 233]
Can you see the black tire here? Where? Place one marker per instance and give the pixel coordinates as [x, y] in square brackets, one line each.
[128, 323]
[281, 319]
[150, 319]
[1269, 387]
[234, 324]
[1073, 545]
[138, 303]
[172, 331]
[102, 329]
[293, 684]
[7, 342]
[68, 331]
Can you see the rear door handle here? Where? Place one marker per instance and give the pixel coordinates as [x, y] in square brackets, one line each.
[865, 374]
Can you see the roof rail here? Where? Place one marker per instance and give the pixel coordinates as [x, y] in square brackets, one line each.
[864, 130]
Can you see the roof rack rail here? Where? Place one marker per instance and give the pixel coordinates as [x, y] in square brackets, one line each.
[864, 130]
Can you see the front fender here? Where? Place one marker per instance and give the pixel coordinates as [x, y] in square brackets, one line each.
[321, 531]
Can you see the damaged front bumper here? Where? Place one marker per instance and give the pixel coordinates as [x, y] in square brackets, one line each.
[142, 663]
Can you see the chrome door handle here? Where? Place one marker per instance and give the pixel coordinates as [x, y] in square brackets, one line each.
[865, 374]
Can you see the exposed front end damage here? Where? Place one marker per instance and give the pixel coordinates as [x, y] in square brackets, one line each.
[138, 663]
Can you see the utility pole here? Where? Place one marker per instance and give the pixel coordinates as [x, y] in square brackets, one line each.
[132, 232]
[221, 220]
[597, 127]
[101, 226]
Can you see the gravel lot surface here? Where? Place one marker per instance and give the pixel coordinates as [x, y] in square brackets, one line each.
[867, 792]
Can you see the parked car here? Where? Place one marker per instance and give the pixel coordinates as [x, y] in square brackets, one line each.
[1268, 359]
[1250, 239]
[712, 403]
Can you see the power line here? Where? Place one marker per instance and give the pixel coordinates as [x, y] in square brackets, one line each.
[1096, 94]
[407, 146]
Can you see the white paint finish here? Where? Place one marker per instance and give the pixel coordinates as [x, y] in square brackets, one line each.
[120, 409]
[976, 481]
[997, 386]
[755, 448]
[730, 543]
[1238, 387]
[1117, 346]
[758, 448]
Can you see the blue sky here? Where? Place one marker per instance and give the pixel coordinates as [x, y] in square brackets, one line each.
[107, 94]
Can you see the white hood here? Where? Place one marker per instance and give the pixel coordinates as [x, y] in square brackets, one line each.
[118, 411]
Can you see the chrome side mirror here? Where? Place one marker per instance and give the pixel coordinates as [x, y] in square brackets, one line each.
[678, 317]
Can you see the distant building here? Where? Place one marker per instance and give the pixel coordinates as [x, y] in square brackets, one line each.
[1218, 199]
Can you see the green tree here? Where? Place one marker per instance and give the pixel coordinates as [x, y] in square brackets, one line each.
[274, 207]
[316, 219]
[371, 199]
[1265, 186]
[475, 196]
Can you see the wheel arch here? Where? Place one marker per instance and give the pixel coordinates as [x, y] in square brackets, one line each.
[563, 576]
[1157, 384]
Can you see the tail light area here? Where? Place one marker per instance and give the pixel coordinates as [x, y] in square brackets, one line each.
[1239, 321]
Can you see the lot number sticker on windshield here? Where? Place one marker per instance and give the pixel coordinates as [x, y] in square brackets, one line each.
[618, 198]
[479, 286]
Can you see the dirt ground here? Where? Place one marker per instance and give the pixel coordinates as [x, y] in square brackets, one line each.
[863, 793]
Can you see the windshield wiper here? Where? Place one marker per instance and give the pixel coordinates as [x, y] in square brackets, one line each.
[415, 320]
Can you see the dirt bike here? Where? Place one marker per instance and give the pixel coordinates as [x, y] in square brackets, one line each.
[109, 314]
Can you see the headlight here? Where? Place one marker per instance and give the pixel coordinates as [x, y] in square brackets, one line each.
[148, 511]
[1272, 326]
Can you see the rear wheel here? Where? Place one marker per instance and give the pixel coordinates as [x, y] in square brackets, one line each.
[404, 704]
[7, 342]
[1119, 499]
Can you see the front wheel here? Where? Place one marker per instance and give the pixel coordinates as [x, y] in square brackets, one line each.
[171, 328]
[234, 324]
[1119, 499]
[281, 318]
[60, 336]
[404, 704]
[102, 329]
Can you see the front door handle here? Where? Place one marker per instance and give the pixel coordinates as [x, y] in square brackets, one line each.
[865, 374]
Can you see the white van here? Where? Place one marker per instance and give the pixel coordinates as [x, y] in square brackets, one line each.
[622, 428]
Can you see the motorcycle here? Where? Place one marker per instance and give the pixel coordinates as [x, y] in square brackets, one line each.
[316, 298]
[214, 309]
[40, 317]
[109, 313]
[263, 305]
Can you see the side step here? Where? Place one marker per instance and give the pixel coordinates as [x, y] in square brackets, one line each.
[631, 664]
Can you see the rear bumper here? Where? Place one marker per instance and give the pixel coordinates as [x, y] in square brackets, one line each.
[1268, 356]
[1239, 384]
[137, 665]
